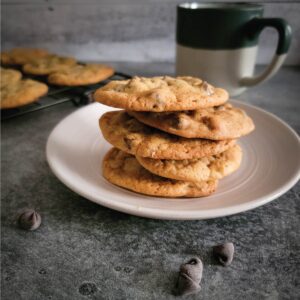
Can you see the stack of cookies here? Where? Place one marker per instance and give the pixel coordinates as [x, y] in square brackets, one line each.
[175, 138]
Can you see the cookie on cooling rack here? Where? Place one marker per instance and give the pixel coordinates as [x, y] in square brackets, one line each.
[9, 76]
[21, 93]
[81, 75]
[48, 65]
[21, 56]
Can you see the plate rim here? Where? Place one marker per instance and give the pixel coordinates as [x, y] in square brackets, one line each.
[167, 214]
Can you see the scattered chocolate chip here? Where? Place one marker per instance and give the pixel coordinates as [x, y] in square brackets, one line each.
[42, 271]
[189, 279]
[224, 253]
[87, 289]
[29, 220]
[128, 270]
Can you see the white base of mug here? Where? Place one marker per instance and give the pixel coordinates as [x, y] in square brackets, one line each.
[222, 68]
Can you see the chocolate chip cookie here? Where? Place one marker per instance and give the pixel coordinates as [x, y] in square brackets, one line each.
[195, 170]
[9, 76]
[216, 123]
[21, 93]
[48, 65]
[81, 75]
[159, 94]
[123, 169]
[128, 134]
[21, 56]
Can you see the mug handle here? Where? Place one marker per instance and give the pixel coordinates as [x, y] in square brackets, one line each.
[254, 28]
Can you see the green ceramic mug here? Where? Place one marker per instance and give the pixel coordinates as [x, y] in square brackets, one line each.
[218, 42]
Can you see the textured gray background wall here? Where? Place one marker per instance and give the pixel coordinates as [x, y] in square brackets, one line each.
[121, 30]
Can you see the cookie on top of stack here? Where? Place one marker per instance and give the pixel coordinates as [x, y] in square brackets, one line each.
[176, 137]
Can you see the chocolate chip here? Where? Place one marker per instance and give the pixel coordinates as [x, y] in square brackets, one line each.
[42, 271]
[189, 279]
[87, 289]
[179, 122]
[128, 142]
[174, 120]
[29, 219]
[128, 270]
[211, 123]
[186, 286]
[224, 253]
[193, 261]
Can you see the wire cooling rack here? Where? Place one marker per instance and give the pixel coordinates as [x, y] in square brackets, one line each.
[56, 95]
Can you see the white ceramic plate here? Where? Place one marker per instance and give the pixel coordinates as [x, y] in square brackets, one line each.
[270, 167]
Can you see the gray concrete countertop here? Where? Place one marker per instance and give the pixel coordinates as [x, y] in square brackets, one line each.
[85, 251]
